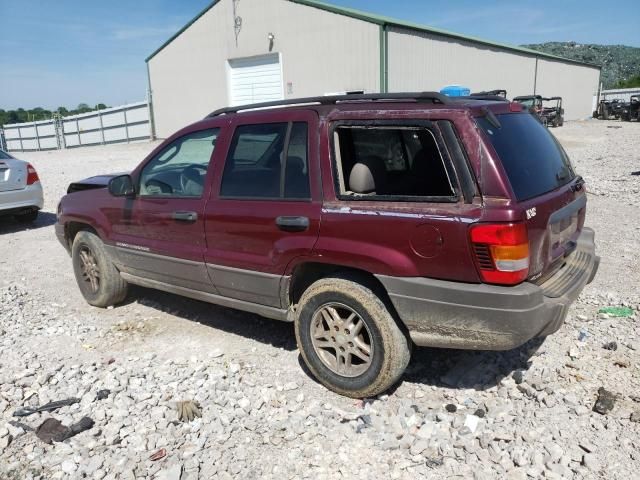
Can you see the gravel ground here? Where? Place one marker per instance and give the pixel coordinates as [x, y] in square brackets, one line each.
[527, 413]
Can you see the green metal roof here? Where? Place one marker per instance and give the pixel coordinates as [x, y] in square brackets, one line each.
[388, 21]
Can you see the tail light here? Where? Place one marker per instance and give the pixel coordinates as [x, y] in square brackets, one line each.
[501, 252]
[32, 175]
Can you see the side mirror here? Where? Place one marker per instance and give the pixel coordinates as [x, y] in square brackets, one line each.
[122, 186]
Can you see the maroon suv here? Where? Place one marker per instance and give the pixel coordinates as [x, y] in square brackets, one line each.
[370, 221]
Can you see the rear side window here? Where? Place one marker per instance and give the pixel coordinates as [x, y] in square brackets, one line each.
[267, 161]
[533, 159]
[390, 162]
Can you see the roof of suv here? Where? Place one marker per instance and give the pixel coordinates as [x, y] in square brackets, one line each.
[405, 100]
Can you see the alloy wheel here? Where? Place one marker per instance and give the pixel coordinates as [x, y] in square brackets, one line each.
[341, 339]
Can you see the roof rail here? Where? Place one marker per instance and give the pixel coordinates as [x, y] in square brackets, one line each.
[480, 97]
[431, 97]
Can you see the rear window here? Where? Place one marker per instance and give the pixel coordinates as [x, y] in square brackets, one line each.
[533, 159]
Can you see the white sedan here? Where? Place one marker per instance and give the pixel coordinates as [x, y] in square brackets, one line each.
[20, 189]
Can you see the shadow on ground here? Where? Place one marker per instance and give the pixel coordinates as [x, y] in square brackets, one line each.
[9, 224]
[254, 327]
[461, 369]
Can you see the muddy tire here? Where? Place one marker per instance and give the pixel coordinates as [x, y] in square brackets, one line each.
[99, 280]
[348, 338]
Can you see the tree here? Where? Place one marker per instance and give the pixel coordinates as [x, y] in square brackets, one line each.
[13, 117]
[101, 106]
[83, 108]
[629, 82]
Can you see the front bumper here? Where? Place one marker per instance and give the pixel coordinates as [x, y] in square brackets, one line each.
[23, 200]
[446, 314]
[61, 236]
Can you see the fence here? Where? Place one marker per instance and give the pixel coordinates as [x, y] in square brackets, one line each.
[623, 94]
[127, 123]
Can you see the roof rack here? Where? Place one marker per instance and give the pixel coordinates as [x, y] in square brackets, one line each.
[427, 97]
[480, 97]
[526, 97]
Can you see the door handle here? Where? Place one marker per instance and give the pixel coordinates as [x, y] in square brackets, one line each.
[185, 216]
[292, 224]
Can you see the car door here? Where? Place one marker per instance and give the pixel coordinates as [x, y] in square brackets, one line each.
[266, 211]
[159, 234]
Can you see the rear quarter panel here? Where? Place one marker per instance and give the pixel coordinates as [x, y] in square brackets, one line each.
[408, 239]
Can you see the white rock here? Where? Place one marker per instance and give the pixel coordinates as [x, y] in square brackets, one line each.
[68, 466]
[471, 422]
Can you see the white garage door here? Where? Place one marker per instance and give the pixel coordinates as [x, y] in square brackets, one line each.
[255, 79]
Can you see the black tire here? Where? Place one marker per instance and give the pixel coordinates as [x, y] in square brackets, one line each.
[390, 347]
[110, 288]
[561, 122]
[28, 217]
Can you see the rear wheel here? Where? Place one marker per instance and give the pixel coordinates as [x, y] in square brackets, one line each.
[100, 282]
[28, 217]
[349, 339]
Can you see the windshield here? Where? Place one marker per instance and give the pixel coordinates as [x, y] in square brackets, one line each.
[529, 102]
[4, 156]
[533, 159]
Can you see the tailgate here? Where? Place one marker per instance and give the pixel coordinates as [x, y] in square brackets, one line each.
[13, 175]
[554, 223]
[547, 190]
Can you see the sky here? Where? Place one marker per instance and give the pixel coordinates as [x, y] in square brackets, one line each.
[66, 52]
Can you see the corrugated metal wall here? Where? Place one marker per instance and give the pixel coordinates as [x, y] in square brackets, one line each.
[320, 51]
[576, 85]
[424, 61]
[325, 52]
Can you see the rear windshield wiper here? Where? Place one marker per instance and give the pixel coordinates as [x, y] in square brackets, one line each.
[491, 118]
[562, 174]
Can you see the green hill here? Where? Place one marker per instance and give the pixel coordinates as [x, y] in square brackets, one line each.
[620, 63]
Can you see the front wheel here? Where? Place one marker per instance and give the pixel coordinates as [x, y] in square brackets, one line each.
[100, 282]
[348, 338]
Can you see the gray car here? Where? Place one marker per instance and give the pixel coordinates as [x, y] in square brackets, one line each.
[20, 189]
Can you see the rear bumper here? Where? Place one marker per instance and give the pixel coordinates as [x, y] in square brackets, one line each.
[446, 314]
[17, 201]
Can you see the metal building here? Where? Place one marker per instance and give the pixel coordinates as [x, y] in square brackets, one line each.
[243, 51]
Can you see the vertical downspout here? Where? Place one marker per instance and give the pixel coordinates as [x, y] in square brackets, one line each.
[152, 123]
[384, 59]
[535, 77]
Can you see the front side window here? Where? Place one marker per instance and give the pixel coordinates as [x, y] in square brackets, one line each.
[267, 161]
[181, 168]
[378, 162]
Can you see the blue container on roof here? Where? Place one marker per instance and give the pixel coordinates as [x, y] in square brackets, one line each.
[455, 91]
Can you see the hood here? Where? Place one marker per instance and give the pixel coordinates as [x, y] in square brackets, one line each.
[99, 181]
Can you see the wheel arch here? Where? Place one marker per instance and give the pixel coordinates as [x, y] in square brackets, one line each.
[306, 273]
[72, 228]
